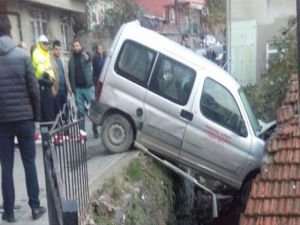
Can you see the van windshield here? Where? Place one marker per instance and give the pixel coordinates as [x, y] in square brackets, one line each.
[254, 122]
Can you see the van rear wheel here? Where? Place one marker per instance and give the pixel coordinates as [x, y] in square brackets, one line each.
[116, 133]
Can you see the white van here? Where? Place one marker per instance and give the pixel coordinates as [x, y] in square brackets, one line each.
[178, 104]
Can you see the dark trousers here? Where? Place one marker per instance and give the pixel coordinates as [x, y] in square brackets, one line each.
[59, 101]
[24, 131]
[47, 109]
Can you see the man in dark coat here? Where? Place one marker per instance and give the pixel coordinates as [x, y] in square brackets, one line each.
[81, 79]
[19, 108]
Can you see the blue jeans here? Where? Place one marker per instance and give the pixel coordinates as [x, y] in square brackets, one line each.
[24, 131]
[82, 96]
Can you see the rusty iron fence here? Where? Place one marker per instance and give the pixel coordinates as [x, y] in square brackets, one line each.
[66, 173]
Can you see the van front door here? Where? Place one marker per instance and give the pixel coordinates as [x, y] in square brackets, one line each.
[167, 106]
[217, 140]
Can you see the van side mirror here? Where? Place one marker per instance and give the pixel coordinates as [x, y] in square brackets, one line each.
[242, 129]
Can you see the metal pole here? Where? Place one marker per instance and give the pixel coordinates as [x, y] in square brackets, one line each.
[52, 215]
[183, 174]
[176, 12]
[298, 45]
[228, 35]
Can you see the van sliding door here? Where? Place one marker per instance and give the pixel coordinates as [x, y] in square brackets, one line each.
[168, 106]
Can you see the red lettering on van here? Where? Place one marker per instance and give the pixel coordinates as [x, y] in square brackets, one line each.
[215, 134]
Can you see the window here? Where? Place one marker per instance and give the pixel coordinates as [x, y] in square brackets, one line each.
[39, 22]
[65, 36]
[218, 105]
[135, 62]
[254, 122]
[169, 14]
[271, 53]
[172, 80]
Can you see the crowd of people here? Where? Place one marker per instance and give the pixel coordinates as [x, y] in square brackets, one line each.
[59, 79]
[34, 89]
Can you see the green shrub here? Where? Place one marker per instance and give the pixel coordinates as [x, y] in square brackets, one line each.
[267, 96]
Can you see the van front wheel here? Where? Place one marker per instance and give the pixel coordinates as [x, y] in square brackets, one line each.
[245, 193]
[116, 133]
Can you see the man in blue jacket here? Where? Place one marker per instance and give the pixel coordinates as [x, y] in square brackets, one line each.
[19, 108]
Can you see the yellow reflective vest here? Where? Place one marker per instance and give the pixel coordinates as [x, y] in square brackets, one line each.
[41, 62]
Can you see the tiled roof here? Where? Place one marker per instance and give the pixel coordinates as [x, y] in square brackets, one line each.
[275, 194]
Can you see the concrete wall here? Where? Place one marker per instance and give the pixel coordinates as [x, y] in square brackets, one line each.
[264, 11]
[270, 16]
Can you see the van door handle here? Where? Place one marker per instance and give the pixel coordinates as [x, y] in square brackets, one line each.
[187, 115]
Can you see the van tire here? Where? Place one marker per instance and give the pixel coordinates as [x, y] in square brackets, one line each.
[245, 193]
[116, 133]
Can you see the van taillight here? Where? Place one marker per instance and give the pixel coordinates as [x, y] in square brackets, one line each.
[98, 90]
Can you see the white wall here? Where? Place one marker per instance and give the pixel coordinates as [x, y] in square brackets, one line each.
[270, 17]
[264, 11]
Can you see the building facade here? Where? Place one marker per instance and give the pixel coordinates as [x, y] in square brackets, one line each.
[253, 25]
[56, 19]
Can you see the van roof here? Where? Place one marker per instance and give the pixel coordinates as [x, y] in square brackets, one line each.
[134, 31]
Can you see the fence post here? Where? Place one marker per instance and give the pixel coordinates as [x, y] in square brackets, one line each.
[70, 212]
[52, 216]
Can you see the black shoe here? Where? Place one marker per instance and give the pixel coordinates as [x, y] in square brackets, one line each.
[96, 135]
[38, 212]
[9, 219]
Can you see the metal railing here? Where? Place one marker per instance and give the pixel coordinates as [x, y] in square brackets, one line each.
[66, 175]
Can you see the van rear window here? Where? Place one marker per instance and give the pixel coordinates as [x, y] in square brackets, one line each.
[135, 62]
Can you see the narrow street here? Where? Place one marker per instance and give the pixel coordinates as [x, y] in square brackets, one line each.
[101, 165]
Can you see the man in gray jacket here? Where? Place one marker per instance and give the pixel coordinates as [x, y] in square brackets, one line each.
[19, 108]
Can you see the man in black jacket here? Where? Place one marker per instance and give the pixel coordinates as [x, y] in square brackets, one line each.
[19, 108]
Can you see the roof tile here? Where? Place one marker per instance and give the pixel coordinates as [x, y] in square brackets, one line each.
[294, 77]
[287, 157]
[269, 220]
[275, 194]
[293, 86]
[285, 113]
[285, 130]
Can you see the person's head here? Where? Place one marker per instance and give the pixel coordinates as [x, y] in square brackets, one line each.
[5, 26]
[56, 48]
[43, 42]
[77, 48]
[185, 38]
[100, 49]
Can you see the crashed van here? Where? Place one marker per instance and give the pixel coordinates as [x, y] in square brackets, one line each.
[180, 105]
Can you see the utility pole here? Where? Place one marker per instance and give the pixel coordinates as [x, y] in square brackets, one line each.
[298, 44]
[176, 12]
[228, 34]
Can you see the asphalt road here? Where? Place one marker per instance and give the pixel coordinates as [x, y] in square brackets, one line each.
[101, 166]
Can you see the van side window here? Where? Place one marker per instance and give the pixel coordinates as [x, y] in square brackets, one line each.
[172, 80]
[218, 105]
[135, 62]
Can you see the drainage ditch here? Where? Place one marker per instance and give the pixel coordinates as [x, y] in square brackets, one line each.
[194, 207]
